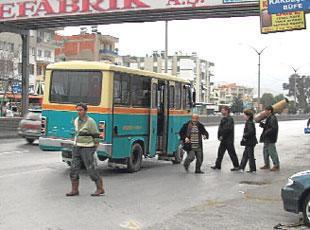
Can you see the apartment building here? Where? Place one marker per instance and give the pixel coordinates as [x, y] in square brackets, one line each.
[87, 47]
[191, 67]
[225, 93]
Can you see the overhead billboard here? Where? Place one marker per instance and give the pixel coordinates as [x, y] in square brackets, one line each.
[283, 6]
[280, 22]
[31, 9]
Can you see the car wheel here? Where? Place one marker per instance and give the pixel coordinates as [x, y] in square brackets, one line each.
[135, 160]
[30, 140]
[179, 154]
[306, 210]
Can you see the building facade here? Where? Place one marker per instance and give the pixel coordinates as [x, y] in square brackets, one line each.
[87, 47]
[191, 67]
[41, 53]
[225, 93]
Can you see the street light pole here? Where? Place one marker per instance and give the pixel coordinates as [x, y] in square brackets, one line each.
[259, 53]
[258, 83]
[295, 76]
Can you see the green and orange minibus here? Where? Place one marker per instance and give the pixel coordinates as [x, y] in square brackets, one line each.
[138, 113]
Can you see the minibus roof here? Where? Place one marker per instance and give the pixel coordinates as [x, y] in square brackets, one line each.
[88, 65]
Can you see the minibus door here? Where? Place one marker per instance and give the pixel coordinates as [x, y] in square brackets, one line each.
[172, 134]
[162, 120]
[153, 118]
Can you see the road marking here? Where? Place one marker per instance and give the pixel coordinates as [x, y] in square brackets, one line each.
[132, 225]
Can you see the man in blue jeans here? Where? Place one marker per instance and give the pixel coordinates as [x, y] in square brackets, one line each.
[269, 137]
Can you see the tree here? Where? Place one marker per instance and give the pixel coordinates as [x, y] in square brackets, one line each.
[292, 108]
[267, 99]
[302, 91]
[237, 105]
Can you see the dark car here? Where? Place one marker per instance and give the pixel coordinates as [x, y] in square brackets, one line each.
[296, 195]
[30, 126]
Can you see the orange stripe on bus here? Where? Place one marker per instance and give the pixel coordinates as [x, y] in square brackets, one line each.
[179, 112]
[73, 108]
[117, 110]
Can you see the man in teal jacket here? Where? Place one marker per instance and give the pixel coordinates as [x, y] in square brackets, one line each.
[85, 144]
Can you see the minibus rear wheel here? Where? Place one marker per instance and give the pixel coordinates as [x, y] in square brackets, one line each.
[134, 162]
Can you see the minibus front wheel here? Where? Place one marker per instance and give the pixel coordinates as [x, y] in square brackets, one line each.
[178, 155]
[134, 162]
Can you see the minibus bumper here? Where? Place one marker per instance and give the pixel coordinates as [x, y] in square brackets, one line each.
[57, 144]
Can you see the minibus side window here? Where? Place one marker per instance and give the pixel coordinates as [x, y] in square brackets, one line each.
[121, 89]
[178, 95]
[171, 97]
[154, 96]
[140, 91]
[186, 97]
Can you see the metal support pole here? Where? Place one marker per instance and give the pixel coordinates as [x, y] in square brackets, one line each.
[259, 67]
[295, 88]
[25, 73]
[258, 87]
[295, 94]
[166, 46]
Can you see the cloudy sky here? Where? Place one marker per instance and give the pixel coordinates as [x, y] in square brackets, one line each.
[226, 42]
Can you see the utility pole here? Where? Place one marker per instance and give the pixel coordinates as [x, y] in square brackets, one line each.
[166, 46]
[25, 73]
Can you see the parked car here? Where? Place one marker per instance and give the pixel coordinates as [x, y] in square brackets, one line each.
[296, 195]
[30, 126]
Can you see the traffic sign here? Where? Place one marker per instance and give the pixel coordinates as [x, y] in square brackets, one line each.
[17, 87]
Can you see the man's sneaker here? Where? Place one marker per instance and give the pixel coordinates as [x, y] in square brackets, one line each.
[234, 169]
[275, 168]
[199, 172]
[265, 167]
[250, 171]
[214, 167]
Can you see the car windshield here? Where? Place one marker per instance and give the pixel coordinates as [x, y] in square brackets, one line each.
[71, 87]
[33, 116]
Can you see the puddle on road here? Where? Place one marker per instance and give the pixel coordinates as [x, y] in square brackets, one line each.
[207, 205]
[257, 183]
[249, 196]
[299, 225]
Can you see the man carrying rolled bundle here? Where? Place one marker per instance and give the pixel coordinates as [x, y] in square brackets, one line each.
[269, 138]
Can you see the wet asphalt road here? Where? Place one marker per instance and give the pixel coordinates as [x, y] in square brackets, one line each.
[160, 196]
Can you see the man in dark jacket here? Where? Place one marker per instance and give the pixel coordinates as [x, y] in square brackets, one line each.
[249, 141]
[269, 137]
[191, 134]
[225, 135]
